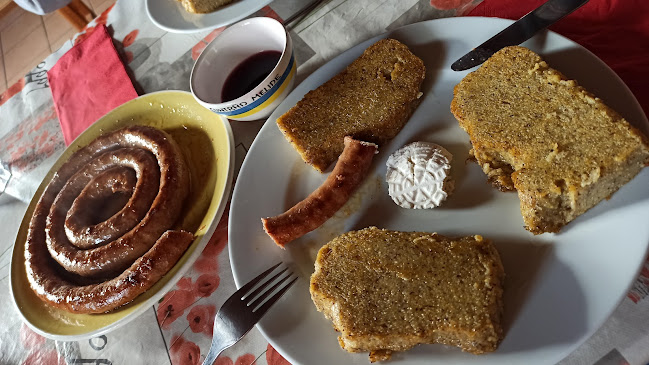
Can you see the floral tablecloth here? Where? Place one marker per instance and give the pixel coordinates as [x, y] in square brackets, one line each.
[178, 329]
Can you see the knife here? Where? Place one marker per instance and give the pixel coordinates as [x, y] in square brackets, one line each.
[523, 29]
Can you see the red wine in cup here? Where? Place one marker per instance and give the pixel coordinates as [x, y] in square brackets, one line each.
[249, 73]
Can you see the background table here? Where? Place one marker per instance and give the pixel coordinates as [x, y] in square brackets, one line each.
[178, 329]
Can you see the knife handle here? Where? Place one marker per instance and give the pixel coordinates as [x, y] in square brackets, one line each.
[518, 32]
[531, 23]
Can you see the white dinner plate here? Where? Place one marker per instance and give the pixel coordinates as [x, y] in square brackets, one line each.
[559, 288]
[172, 17]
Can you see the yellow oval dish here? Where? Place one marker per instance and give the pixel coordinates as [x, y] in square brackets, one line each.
[208, 146]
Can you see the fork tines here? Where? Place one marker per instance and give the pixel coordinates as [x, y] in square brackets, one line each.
[259, 299]
[245, 307]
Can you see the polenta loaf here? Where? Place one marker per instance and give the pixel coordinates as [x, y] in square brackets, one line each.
[534, 131]
[370, 100]
[388, 291]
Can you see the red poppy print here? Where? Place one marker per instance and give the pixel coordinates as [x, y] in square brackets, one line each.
[13, 90]
[82, 36]
[200, 46]
[43, 138]
[46, 357]
[30, 339]
[128, 57]
[448, 4]
[207, 263]
[184, 352]
[206, 284]
[44, 118]
[173, 306]
[130, 38]
[219, 239]
[104, 16]
[177, 340]
[198, 49]
[213, 34]
[274, 358]
[201, 319]
[246, 359]
[223, 360]
[185, 283]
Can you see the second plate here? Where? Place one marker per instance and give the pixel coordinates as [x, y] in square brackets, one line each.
[560, 287]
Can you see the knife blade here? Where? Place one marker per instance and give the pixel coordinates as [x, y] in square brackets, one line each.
[523, 29]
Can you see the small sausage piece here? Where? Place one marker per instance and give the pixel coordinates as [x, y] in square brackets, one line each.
[350, 171]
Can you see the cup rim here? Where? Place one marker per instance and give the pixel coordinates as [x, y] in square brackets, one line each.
[226, 32]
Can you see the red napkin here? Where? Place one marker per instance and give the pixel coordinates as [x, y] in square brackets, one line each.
[87, 82]
[617, 31]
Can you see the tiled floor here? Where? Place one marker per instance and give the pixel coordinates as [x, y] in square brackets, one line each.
[26, 39]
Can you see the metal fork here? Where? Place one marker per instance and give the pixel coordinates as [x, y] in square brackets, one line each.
[245, 308]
